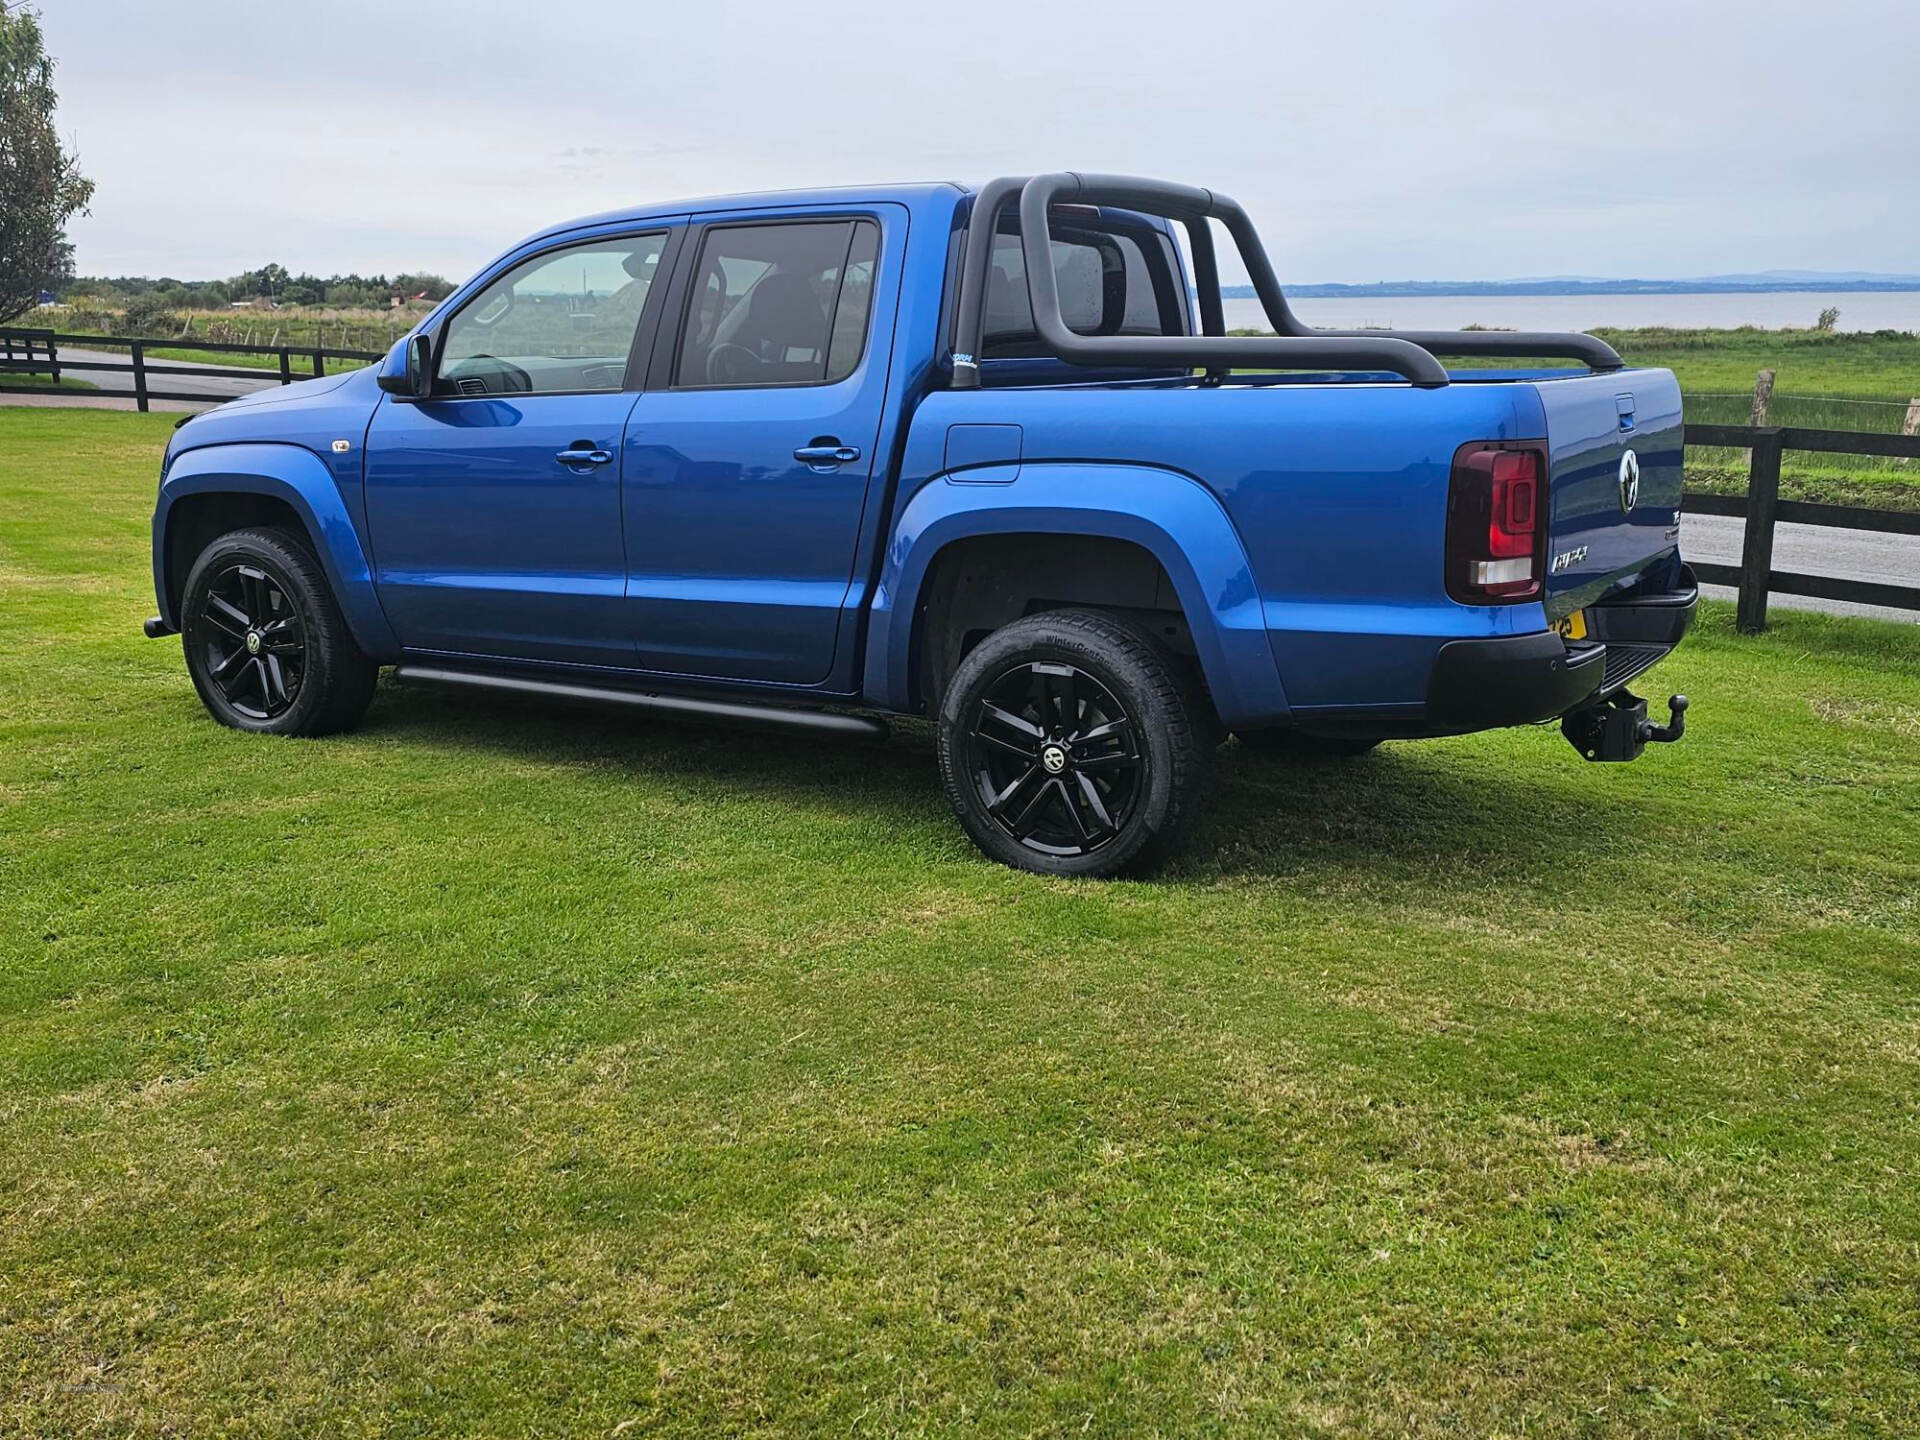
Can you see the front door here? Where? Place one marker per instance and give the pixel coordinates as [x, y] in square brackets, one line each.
[747, 470]
[494, 506]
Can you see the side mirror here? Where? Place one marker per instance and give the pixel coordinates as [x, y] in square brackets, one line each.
[408, 369]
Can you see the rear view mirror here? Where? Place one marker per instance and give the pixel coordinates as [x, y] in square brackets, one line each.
[407, 372]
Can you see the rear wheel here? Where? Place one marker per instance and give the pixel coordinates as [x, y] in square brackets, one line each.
[1071, 744]
[266, 645]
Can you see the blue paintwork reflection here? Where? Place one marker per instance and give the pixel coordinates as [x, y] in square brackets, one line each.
[485, 543]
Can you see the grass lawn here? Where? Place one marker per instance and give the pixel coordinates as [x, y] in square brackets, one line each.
[500, 1070]
[302, 364]
[1831, 381]
[43, 382]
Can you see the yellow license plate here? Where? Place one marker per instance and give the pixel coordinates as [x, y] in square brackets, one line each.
[1572, 627]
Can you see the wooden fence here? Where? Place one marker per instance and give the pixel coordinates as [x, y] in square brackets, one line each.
[29, 352]
[37, 352]
[1762, 508]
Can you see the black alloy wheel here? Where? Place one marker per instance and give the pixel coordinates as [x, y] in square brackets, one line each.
[266, 645]
[1071, 743]
[255, 646]
[1056, 758]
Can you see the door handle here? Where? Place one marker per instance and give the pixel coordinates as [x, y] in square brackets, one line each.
[581, 453]
[827, 453]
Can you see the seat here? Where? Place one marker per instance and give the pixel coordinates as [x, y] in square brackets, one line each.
[784, 316]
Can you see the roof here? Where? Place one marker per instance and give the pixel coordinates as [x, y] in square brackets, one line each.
[911, 195]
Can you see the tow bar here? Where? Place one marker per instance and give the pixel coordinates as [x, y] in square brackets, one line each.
[1617, 727]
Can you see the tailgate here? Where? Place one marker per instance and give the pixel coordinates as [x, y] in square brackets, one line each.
[1615, 462]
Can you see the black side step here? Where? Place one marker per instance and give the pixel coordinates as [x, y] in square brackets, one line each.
[771, 717]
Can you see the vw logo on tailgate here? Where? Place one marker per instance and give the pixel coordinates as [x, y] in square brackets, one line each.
[1629, 480]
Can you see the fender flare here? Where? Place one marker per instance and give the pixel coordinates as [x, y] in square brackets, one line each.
[1170, 515]
[296, 475]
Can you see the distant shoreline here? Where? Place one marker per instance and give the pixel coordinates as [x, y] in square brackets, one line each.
[1417, 289]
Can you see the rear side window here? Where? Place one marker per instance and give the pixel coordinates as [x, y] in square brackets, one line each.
[1112, 282]
[779, 304]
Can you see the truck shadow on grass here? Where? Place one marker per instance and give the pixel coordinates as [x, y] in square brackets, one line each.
[1412, 812]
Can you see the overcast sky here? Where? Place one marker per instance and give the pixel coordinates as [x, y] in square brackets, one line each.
[1407, 140]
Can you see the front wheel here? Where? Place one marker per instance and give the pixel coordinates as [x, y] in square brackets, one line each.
[266, 645]
[1071, 744]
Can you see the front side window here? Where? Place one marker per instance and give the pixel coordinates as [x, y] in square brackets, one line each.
[779, 304]
[559, 322]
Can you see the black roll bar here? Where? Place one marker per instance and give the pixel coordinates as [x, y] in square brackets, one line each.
[1294, 344]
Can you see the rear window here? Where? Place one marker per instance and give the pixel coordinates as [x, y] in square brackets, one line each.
[1112, 282]
[779, 304]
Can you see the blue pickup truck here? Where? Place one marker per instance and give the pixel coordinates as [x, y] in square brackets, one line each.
[803, 460]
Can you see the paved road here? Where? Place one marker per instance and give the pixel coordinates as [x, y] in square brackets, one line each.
[1812, 550]
[240, 380]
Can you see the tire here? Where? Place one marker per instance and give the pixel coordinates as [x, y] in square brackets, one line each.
[1295, 745]
[1071, 743]
[266, 645]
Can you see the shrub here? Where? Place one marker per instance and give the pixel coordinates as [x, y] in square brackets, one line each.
[149, 315]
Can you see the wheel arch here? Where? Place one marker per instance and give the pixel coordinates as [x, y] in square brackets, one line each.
[219, 488]
[1168, 516]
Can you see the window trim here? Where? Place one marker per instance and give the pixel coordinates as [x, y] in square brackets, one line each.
[633, 378]
[665, 372]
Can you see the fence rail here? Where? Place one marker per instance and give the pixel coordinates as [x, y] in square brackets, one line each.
[30, 352]
[37, 352]
[1762, 509]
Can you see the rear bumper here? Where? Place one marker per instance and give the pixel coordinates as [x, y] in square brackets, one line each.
[1639, 630]
[1521, 679]
[1510, 680]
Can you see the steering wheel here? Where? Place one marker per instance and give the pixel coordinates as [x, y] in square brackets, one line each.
[729, 364]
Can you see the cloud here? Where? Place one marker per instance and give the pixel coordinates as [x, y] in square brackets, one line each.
[1369, 140]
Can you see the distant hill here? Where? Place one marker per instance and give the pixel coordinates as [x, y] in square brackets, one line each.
[1763, 282]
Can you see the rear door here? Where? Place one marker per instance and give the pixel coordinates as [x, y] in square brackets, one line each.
[494, 505]
[750, 458]
[1616, 459]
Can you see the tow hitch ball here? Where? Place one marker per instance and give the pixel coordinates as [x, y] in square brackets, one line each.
[1617, 727]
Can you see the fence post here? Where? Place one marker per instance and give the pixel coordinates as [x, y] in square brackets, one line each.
[1756, 553]
[1762, 397]
[53, 361]
[1908, 426]
[286, 367]
[319, 365]
[140, 376]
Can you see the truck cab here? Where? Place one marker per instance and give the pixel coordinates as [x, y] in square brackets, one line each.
[807, 460]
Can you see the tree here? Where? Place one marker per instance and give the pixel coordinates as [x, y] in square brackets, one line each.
[60, 269]
[266, 282]
[41, 186]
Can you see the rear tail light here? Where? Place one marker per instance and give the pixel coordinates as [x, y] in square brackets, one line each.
[1496, 534]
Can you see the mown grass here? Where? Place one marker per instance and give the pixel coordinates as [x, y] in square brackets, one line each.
[1826, 381]
[302, 365]
[327, 326]
[34, 381]
[499, 1070]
